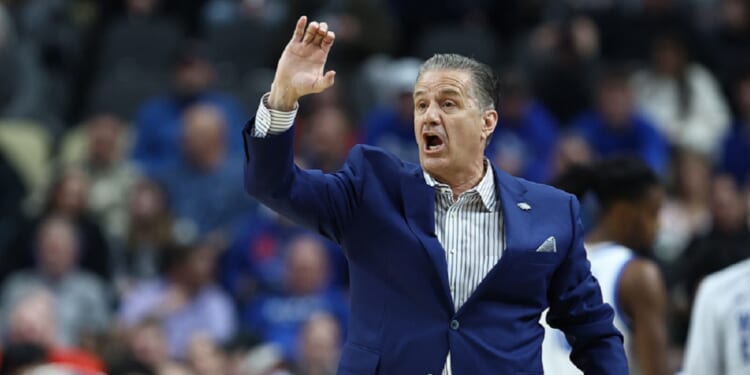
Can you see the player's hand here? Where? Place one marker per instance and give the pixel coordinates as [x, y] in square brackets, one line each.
[300, 68]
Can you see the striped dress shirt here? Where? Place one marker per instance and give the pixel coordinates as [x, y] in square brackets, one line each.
[469, 228]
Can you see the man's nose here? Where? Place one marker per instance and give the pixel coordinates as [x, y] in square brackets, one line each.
[432, 114]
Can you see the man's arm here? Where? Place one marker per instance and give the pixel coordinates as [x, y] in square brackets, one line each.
[577, 309]
[643, 297]
[321, 202]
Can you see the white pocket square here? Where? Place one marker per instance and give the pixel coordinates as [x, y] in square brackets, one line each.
[548, 246]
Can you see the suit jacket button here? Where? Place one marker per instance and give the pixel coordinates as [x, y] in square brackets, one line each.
[454, 324]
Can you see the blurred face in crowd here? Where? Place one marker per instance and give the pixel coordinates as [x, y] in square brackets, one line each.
[104, 133]
[306, 266]
[615, 102]
[57, 247]
[192, 76]
[142, 7]
[329, 135]
[69, 198]
[147, 202]
[571, 150]
[735, 14]
[203, 136]
[148, 344]
[319, 344]
[728, 205]
[32, 320]
[199, 266]
[450, 127]
[693, 176]
[669, 57]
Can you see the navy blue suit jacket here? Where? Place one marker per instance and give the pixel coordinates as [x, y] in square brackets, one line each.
[403, 320]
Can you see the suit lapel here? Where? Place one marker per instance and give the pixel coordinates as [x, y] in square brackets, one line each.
[516, 225]
[419, 208]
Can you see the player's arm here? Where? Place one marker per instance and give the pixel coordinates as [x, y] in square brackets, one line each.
[643, 298]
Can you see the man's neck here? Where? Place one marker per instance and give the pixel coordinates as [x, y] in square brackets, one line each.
[465, 180]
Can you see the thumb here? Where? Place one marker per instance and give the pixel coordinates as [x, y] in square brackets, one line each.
[326, 81]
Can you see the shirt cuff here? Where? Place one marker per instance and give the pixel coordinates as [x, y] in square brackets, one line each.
[272, 121]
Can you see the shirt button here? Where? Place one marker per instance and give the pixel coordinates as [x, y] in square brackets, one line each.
[453, 251]
[454, 324]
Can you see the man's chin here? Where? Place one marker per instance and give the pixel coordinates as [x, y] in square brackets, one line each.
[434, 165]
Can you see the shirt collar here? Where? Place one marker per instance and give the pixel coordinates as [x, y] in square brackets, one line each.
[485, 188]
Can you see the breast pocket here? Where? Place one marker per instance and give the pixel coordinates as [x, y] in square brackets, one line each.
[357, 360]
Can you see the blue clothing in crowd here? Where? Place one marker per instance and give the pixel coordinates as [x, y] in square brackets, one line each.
[158, 128]
[736, 156]
[639, 137]
[531, 139]
[279, 317]
[209, 199]
[255, 259]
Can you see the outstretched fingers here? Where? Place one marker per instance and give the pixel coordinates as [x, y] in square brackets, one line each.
[312, 30]
[328, 41]
[299, 29]
[322, 31]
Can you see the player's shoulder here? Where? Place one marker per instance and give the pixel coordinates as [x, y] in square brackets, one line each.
[728, 278]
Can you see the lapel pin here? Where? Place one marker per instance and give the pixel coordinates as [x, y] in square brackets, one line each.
[524, 206]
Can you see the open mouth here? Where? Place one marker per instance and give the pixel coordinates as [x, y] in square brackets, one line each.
[432, 143]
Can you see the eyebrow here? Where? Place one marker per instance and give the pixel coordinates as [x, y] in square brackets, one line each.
[445, 92]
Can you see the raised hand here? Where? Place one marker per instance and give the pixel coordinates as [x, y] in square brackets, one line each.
[300, 68]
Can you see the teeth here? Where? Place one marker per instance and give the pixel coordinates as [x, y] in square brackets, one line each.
[432, 147]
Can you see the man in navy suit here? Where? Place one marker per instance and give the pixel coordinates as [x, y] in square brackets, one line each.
[451, 261]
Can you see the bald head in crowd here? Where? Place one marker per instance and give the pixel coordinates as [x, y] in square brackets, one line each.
[204, 136]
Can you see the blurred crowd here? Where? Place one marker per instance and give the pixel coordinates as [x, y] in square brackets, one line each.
[129, 245]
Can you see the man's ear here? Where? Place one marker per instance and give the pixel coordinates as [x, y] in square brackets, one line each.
[489, 122]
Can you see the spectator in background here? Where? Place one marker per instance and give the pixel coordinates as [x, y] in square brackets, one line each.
[255, 261]
[279, 317]
[22, 83]
[33, 321]
[687, 212]
[728, 53]
[736, 151]
[205, 356]
[12, 196]
[726, 243]
[147, 345]
[319, 346]
[615, 127]
[67, 198]
[159, 123]
[326, 139]
[185, 300]
[682, 97]
[149, 231]
[204, 186]
[111, 176]
[563, 55]
[81, 299]
[390, 125]
[524, 142]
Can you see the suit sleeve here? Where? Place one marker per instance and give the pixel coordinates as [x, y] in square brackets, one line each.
[321, 202]
[576, 308]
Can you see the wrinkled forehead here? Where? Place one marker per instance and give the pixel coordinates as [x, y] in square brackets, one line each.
[446, 82]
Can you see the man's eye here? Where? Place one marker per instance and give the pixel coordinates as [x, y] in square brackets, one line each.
[449, 104]
[421, 105]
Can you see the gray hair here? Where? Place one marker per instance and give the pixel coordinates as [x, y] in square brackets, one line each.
[484, 84]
